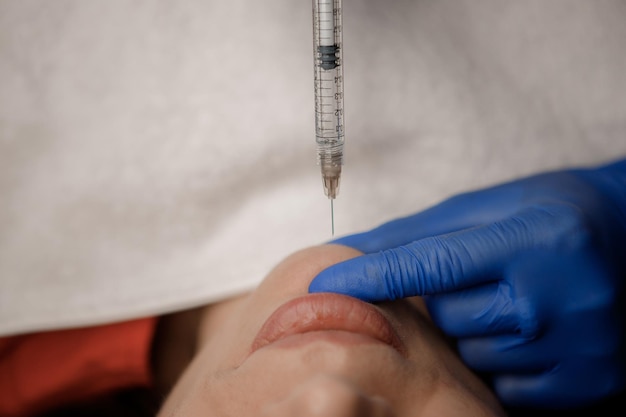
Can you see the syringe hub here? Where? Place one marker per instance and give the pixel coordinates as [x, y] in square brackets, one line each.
[331, 176]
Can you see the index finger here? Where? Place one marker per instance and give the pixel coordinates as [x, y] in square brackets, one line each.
[456, 213]
[452, 261]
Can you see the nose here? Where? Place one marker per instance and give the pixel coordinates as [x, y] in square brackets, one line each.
[328, 395]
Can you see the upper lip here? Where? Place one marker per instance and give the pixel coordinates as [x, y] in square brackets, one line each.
[326, 311]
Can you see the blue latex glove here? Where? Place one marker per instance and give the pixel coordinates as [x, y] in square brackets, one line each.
[527, 276]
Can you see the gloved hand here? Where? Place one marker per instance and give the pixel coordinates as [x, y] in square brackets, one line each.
[527, 276]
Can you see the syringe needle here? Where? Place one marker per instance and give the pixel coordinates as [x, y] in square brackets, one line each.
[332, 217]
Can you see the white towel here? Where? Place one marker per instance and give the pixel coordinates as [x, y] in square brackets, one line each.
[156, 156]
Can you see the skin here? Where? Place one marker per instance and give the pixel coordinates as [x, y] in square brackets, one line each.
[325, 372]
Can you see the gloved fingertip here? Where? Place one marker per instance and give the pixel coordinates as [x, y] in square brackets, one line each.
[320, 283]
[329, 281]
[347, 278]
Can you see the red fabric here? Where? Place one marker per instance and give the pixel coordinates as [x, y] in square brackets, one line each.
[40, 371]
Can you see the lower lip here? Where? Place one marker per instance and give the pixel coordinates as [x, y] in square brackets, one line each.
[331, 317]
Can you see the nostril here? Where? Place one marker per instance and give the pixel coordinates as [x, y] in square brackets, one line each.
[329, 395]
[379, 407]
[334, 396]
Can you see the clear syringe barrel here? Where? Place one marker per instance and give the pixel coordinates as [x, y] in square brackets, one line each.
[329, 115]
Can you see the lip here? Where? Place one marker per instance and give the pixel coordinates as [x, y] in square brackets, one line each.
[327, 312]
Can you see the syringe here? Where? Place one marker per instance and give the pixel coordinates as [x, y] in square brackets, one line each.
[328, 66]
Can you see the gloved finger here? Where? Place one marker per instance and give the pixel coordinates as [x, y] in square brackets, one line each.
[485, 310]
[450, 262]
[565, 386]
[457, 213]
[504, 354]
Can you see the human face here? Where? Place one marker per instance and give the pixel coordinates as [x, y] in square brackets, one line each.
[280, 351]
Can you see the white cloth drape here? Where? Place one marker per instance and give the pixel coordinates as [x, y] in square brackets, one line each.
[159, 155]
